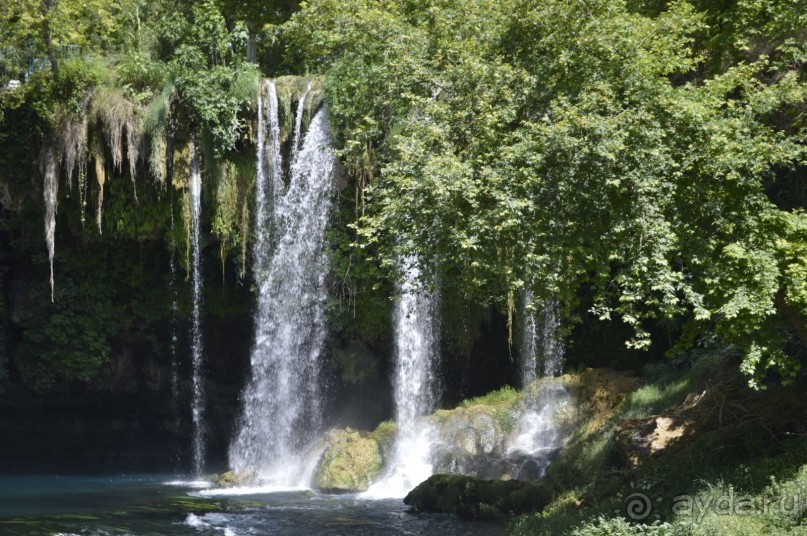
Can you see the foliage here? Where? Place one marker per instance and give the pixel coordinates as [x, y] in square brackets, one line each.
[210, 79]
[359, 306]
[566, 144]
[231, 219]
[620, 527]
[67, 339]
[504, 396]
[56, 29]
[619, 151]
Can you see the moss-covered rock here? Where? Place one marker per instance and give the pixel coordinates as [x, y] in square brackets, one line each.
[350, 462]
[489, 437]
[290, 89]
[478, 499]
[232, 479]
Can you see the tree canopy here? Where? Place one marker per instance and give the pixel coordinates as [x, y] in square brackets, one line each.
[621, 147]
[636, 160]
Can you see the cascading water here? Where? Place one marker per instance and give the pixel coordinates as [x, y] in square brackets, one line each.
[529, 341]
[541, 341]
[536, 437]
[282, 408]
[298, 124]
[416, 351]
[198, 402]
[551, 339]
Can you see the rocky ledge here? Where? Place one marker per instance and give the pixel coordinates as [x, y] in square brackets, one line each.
[478, 499]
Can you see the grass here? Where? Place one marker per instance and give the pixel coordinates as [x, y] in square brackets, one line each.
[385, 431]
[652, 399]
[590, 481]
[504, 396]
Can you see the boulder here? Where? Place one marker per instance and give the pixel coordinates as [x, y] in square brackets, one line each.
[351, 461]
[232, 479]
[478, 499]
[638, 440]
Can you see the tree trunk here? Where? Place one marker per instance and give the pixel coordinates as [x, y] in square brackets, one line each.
[45, 7]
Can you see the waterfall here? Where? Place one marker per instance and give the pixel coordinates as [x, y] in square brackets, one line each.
[198, 401]
[282, 408]
[529, 341]
[298, 124]
[541, 341]
[414, 385]
[536, 437]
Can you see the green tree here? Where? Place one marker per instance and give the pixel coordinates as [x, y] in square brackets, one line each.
[557, 145]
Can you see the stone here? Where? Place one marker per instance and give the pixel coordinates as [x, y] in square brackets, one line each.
[352, 460]
[638, 440]
[478, 499]
[231, 479]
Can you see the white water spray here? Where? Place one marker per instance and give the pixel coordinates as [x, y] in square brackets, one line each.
[298, 124]
[536, 435]
[282, 407]
[416, 351]
[198, 402]
[542, 346]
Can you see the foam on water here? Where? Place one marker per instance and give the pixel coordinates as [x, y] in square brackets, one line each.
[189, 483]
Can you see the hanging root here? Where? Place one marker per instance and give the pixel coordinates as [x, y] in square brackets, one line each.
[134, 141]
[100, 175]
[117, 114]
[50, 188]
[72, 146]
[158, 156]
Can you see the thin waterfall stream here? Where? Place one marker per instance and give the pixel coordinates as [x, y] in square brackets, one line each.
[298, 124]
[414, 385]
[536, 436]
[198, 400]
[541, 341]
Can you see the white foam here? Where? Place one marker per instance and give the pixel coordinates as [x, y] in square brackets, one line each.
[411, 464]
[247, 490]
[189, 483]
[195, 521]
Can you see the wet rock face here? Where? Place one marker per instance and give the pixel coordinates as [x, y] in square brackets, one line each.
[473, 431]
[513, 438]
[232, 479]
[504, 436]
[495, 467]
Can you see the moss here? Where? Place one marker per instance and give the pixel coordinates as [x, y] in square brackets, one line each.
[478, 499]
[503, 397]
[351, 461]
[384, 432]
[290, 90]
[231, 479]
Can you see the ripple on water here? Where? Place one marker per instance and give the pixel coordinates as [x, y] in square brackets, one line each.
[189, 483]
